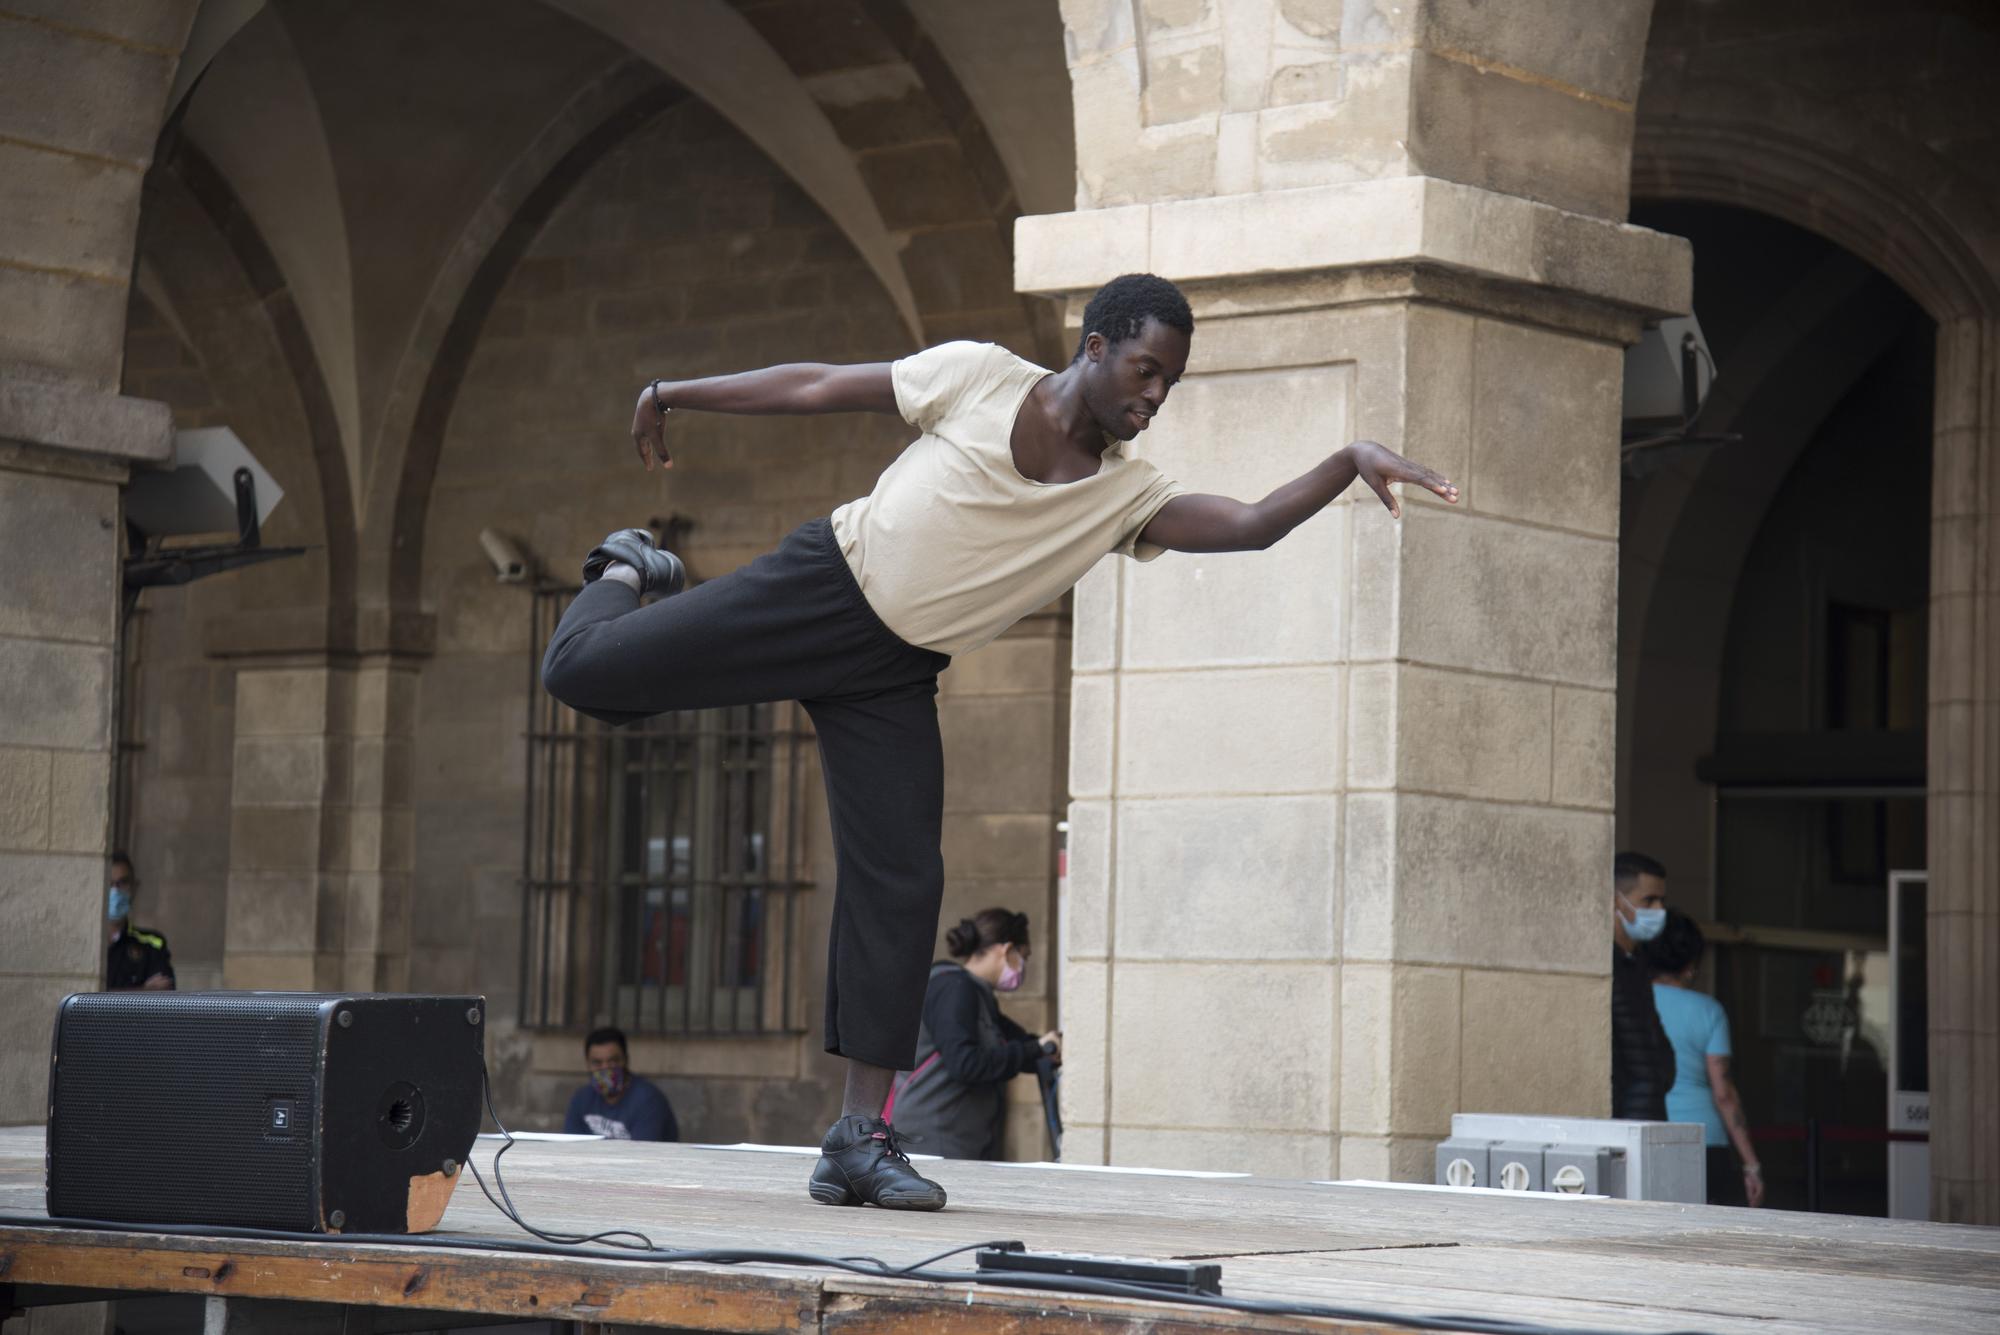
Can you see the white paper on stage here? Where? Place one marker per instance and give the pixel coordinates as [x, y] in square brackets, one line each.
[542, 1135]
[1460, 1191]
[1113, 1168]
[785, 1149]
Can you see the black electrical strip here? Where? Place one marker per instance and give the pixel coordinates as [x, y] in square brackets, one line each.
[554, 1244]
[1170, 1277]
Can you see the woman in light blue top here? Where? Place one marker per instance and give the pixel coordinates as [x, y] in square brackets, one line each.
[1702, 1091]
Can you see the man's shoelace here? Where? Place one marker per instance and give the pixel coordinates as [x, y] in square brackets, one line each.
[894, 1140]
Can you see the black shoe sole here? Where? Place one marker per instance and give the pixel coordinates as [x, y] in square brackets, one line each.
[660, 571]
[828, 1193]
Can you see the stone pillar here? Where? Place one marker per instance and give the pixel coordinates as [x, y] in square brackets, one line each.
[72, 167]
[1964, 777]
[381, 849]
[1341, 811]
[58, 629]
[321, 830]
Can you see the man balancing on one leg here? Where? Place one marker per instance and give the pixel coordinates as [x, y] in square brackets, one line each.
[1017, 485]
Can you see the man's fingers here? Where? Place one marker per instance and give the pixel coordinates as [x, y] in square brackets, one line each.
[1430, 480]
[648, 449]
[1381, 488]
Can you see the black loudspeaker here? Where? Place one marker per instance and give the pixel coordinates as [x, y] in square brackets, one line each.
[311, 1112]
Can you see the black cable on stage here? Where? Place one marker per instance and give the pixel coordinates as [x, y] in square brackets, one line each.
[577, 1245]
[869, 1266]
[508, 1210]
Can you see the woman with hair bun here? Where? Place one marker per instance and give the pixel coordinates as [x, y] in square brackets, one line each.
[1702, 1090]
[953, 1102]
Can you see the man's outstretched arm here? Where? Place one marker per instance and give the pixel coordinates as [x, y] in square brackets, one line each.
[1202, 523]
[798, 387]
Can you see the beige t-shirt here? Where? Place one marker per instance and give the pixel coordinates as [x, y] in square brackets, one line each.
[954, 545]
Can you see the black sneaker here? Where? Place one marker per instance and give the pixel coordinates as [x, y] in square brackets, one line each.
[862, 1163]
[659, 572]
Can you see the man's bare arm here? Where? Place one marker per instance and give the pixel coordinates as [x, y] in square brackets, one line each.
[798, 387]
[1203, 523]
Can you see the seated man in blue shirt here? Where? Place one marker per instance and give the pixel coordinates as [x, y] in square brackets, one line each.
[617, 1104]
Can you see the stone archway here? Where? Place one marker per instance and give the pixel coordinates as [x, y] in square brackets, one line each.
[219, 776]
[519, 204]
[1677, 578]
[269, 299]
[1922, 220]
[913, 178]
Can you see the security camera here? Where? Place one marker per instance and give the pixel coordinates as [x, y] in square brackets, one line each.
[510, 563]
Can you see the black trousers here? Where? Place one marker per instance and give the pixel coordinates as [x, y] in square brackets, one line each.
[793, 625]
[1725, 1177]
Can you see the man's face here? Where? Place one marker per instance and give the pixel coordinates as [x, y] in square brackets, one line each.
[604, 1057]
[1126, 383]
[124, 883]
[1645, 892]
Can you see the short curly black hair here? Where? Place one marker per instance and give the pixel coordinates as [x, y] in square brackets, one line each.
[1677, 948]
[1122, 306]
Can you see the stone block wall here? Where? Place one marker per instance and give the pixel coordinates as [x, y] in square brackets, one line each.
[79, 112]
[1363, 769]
[1180, 99]
[58, 622]
[79, 107]
[1342, 809]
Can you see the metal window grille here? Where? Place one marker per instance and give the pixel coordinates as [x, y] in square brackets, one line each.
[661, 869]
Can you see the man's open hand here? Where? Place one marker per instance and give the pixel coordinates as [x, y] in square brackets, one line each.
[1378, 466]
[649, 431]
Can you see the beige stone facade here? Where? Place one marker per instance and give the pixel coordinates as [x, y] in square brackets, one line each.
[1339, 813]
[1351, 796]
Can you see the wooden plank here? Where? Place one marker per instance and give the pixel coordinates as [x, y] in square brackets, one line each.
[861, 1306]
[498, 1283]
[328, 1276]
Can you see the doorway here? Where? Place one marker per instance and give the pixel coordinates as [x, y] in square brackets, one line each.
[1775, 641]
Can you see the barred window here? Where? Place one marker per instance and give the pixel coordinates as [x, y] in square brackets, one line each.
[662, 865]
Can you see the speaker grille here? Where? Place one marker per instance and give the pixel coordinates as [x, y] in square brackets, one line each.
[192, 1102]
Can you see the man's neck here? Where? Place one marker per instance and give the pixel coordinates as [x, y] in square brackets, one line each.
[1621, 940]
[1061, 401]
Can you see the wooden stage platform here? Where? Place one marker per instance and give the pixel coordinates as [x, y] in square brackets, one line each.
[1607, 1265]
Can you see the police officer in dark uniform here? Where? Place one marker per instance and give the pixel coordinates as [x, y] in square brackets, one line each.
[138, 956]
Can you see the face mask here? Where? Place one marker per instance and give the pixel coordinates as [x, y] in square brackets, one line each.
[610, 1081]
[120, 905]
[1646, 923]
[1010, 977]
